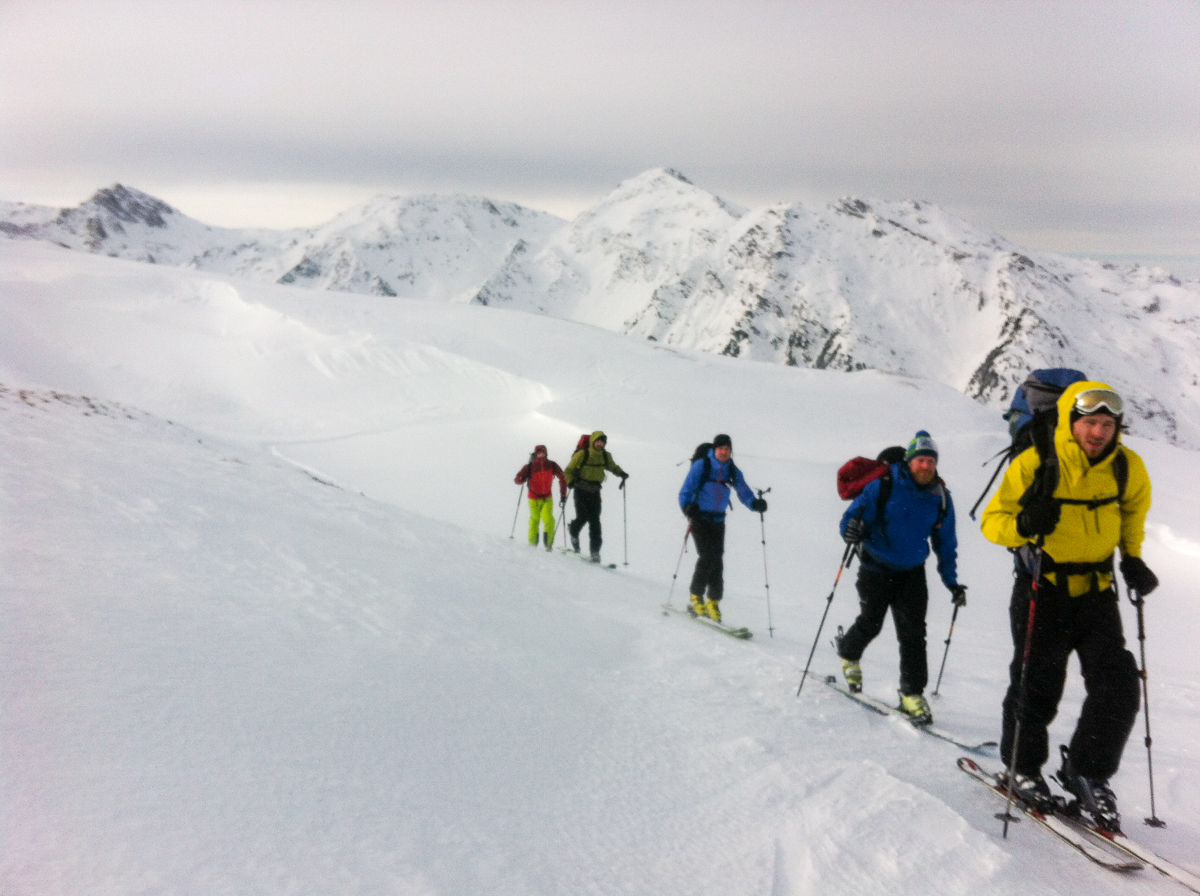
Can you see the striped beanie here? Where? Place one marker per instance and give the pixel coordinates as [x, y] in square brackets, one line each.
[922, 445]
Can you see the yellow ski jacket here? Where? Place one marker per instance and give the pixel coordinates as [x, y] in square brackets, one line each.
[588, 466]
[1083, 534]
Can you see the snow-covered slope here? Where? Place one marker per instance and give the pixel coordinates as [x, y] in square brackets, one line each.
[900, 287]
[262, 628]
[425, 247]
[895, 286]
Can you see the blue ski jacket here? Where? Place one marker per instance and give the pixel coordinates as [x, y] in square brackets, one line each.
[900, 540]
[712, 496]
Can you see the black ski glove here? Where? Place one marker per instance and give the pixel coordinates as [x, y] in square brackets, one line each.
[1038, 518]
[1138, 576]
[691, 510]
[563, 501]
[759, 505]
[855, 530]
[958, 595]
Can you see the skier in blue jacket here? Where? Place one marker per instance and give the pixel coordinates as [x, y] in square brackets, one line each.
[894, 520]
[704, 498]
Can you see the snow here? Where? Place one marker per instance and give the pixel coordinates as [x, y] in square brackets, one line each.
[897, 286]
[264, 629]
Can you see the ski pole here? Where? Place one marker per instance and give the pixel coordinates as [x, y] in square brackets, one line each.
[1023, 686]
[517, 512]
[766, 579]
[1138, 601]
[520, 495]
[562, 519]
[625, 518]
[847, 557]
[678, 563]
[953, 617]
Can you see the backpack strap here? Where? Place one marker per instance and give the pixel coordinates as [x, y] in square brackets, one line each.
[707, 477]
[885, 494]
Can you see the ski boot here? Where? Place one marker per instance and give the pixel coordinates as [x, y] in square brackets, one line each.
[575, 543]
[696, 606]
[1095, 802]
[1032, 790]
[595, 557]
[712, 610]
[917, 707]
[546, 538]
[852, 672]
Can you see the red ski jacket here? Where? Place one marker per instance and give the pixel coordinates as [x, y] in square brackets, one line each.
[540, 475]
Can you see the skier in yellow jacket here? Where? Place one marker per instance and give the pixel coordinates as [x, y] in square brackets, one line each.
[1064, 528]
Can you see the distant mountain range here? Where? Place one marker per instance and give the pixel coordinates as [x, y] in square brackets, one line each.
[897, 286]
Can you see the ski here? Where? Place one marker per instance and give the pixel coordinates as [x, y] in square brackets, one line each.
[743, 634]
[587, 559]
[885, 709]
[1084, 839]
[1142, 854]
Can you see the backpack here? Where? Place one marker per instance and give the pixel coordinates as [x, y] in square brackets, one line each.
[1032, 418]
[701, 453]
[858, 472]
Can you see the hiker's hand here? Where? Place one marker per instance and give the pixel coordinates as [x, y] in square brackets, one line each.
[855, 530]
[958, 595]
[759, 505]
[1038, 518]
[691, 510]
[562, 501]
[1138, 576]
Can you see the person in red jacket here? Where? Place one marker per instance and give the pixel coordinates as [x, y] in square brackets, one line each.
[540, 473]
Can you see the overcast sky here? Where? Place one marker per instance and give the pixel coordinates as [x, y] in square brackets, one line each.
[1065, 126]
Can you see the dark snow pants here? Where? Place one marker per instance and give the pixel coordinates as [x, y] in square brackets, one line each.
[1090, 626]
[905, 592]
[709, 538]
[587, 513]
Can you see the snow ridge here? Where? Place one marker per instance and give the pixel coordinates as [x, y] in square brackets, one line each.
[897, 286]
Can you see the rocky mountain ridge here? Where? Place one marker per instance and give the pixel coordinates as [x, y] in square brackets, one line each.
[902, 287]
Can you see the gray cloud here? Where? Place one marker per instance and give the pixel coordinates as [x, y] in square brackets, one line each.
[1044, 118]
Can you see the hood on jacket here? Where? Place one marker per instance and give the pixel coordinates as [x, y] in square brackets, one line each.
[1063, 437]
[598, 434]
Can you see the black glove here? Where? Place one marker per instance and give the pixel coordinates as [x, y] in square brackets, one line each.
[1138, 576]
[563, 501]
[691, 510]
[1038, 518]
[759, 505]
[958, 595]
[855, 530]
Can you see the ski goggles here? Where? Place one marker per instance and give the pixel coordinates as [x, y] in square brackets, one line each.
[1094, 401]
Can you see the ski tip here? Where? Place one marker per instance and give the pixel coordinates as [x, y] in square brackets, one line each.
[831, 679]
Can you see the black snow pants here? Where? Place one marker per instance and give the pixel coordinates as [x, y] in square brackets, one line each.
[709, 537]
[1090, 626]
[905, 592]
[587, 513]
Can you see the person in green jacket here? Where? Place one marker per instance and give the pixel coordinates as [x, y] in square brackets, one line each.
[585, 473]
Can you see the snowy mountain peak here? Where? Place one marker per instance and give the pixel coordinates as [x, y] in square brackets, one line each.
[898, 286]
[120, 203]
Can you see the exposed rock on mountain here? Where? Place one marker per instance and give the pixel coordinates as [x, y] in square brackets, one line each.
[896, 286]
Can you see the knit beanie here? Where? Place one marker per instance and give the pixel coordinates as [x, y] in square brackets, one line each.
[922, 445]
[720, 440]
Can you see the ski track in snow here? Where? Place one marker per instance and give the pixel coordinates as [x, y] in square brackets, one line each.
[263, 638]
